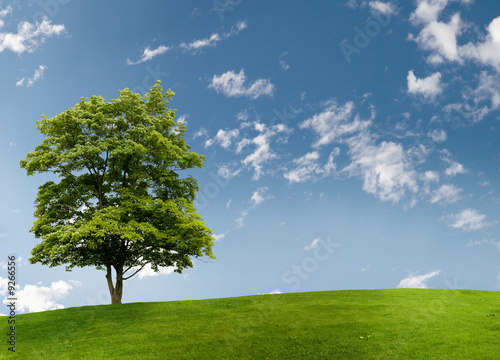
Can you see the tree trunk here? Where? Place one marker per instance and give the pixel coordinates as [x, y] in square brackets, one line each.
[115, 290]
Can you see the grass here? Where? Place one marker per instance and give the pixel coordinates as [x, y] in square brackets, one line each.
[354, 324]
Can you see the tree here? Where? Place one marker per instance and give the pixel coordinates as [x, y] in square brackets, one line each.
[120, 203]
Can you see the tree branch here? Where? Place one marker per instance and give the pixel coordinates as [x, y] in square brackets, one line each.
[142, 267]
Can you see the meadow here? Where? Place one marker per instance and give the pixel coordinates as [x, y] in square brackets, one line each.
[351, 324]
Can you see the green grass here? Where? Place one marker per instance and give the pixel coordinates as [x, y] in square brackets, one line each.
[360, 324]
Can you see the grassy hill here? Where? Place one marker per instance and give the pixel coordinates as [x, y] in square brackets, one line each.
[364, 324]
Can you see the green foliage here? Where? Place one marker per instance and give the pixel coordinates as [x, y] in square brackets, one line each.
[119, 200]
[366, 324]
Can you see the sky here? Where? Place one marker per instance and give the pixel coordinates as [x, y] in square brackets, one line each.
[349, 144]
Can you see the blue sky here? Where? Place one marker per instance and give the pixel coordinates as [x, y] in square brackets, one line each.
[349, 144]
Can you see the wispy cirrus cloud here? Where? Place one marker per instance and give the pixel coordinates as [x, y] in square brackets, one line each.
[212, 41]
[446, 194]
[224, 138]
[258, 198]
[308, 167]
[335, 122]
[312, 245]
[149, 54]
[193, 47]
[255, 150]
[31, 81]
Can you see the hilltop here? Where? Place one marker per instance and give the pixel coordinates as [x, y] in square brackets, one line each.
[353, 324]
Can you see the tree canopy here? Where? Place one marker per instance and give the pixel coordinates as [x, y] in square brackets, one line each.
[120, 202]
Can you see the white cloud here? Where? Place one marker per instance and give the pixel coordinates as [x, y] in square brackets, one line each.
[260, 156]
[214, 39]
[308, 167]
[226, 172]
[29, 36]
[334, 122]
[219, 237]
[256, 150]
[428, 87]
[233, 85]
[488, 51]
[417, 281]
[488, 89]
[277, 291]
[427, 11]
[438, 37]
[312, 245]
[239, 222]
[4, 13]
[467, 220]
[4, 284]
[36, 76]
[438, 135]
[431, 176]
[34, 298]
[454, 169]
[385, 8]
[352, 4]
[283, 64]
[441, 38]
[224, 138]
[148, 271]
[199, 44]
[242, 115]
[486, 240]
[446, 194]
[384, 168]
[201, 132]
[256, 199]
[182, 119]
[258, 196]
[263, 153]
[149, 54]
